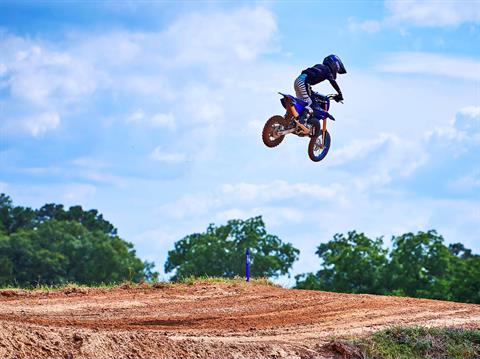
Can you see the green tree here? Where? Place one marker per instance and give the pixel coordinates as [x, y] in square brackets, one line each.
[65, 251]
[54, 246]
[417, 265]
[420, 266]
[459, 250]
[13, 218]
[351, 264]
[91, 219]
[5, 212]
[465, 284]
[220, 251]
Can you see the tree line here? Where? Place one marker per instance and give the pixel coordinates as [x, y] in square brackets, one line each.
[54, 245]
[414, 265]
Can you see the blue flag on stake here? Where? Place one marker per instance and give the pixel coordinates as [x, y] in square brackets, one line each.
[247, 264]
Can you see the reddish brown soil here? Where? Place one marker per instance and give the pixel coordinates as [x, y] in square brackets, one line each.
[214, 320]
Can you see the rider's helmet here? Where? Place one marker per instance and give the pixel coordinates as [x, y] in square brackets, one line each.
[335, 65]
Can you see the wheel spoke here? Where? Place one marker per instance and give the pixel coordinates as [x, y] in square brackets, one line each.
[274, 133]
[318, 145]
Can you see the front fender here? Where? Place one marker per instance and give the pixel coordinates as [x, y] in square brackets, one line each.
[322, 114]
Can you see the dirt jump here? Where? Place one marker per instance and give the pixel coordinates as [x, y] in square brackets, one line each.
[203, 320]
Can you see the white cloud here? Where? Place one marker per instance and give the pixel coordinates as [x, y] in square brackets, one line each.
[3, 187]
[115, 49]
[384, 158]
[470, 181]
[189, 206]
[139, 117]
[136, 116]
[458, 137]
[468, 121]
[255, 126]
[43, 76]
[242, 200]
[103, 177]
[117, 71]
[464, 128]
[471, 111]
[273, 215]
[150, 83]
[67, 193]
[433, 12]
[422, 13]
[204, 104]
[368, 26]
[240, 35]
[278, 202]
[446, 133]
[77, 193]
[422, 63]
[279, 190]
[361, 148]
[163, 120]
[158, 154]
[154, 244]
[39, 125]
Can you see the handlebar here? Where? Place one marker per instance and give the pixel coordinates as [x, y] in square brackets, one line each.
[332, 96]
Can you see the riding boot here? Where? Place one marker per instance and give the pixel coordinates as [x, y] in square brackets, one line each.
[306, 114]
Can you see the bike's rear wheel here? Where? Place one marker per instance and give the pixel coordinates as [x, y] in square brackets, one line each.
[270, 131]
[318, 148]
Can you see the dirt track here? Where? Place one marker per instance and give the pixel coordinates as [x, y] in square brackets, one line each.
[217, 320]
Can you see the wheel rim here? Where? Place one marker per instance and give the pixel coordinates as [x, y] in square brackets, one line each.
[319, 147]
[273, 133]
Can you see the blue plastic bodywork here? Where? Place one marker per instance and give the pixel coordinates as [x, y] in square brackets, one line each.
[300, 105]
[319, 113]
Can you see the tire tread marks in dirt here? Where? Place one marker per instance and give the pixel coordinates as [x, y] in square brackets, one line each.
[204, 320]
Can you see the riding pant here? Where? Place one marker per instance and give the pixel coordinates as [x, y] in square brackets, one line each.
[301, 89]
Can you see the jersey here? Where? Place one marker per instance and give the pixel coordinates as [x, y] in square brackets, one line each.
[319, 73]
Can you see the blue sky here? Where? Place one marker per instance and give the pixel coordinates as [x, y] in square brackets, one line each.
[151, 112]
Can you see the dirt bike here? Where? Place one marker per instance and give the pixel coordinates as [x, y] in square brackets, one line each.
[277, 127]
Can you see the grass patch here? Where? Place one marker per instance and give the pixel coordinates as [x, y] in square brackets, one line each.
[53, 287]
[207, 279]
[413, 343]
[131, 285]
[73, 286]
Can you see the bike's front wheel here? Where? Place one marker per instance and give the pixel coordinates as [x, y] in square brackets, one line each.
[270, 135]
[318, 147]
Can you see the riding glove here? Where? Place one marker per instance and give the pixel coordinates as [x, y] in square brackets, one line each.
[338, 97]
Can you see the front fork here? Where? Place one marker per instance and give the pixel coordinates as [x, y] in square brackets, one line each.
[324, 131]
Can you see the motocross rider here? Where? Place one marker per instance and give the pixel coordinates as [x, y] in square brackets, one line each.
[313, 75]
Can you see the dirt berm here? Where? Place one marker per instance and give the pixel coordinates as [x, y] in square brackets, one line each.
[214, 320]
